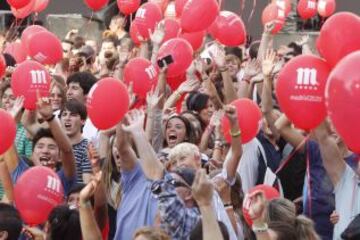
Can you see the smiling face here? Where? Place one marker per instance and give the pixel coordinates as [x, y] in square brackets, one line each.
[75, 92]
[72, 123]
[56, 98]
[206, 113]
[8, 99]
[46, 153]
[175, 132]
[233, 65]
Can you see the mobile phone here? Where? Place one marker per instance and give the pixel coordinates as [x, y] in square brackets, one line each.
[165, 60]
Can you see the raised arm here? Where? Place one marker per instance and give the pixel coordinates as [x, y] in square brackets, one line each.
[127, 154]
[246, 84]
[156, 39]
[5, 179]
[219, 58]
[290, 134]
[268, 65]
[231, 165]
[203, 190]
[266, 39]
[185, 87]
[152, 101]
[330, 153]
[89, 227]
[67, 156]
[151, 165]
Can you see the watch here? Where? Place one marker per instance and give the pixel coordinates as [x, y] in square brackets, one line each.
[260, 229]
[156, 187]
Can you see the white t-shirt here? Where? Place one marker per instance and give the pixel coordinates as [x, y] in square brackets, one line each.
[347, 200]
[222, 215]
[91, 133]
[249, 162]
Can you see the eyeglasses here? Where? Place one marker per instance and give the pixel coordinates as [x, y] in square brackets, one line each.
[177, 184]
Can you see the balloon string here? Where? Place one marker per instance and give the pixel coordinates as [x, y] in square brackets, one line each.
[252, 10]
[308, 179]
[242, 6]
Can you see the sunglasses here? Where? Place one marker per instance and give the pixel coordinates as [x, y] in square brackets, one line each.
[177, 184]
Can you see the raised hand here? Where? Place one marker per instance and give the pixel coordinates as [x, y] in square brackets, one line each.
[159, 33]
[153, 98]
[268, 63]
[257, 206]
[189, 86]
[218, 55]
[202, 189]
[131, 93]
[215, 119]
[135, 119]
[88, 191]
[269, 27]
[18, 105]
[251, 69]
[304, 40]
[231, 113]
[43, 105]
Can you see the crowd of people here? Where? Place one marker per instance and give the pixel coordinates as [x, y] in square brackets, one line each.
[166, 171]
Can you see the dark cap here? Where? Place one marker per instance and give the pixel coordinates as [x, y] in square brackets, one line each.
[187, 174]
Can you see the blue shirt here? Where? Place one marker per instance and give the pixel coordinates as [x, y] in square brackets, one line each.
[322, 197]
[138, 207]
[23, 166]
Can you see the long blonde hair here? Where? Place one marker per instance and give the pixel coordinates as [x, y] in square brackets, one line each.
[110, 175]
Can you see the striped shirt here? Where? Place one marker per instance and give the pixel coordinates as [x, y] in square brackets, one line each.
[82, 160]
[23, 144]
[1, 191]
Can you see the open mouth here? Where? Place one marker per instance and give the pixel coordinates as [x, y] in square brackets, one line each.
[67, 126]
[172, 138]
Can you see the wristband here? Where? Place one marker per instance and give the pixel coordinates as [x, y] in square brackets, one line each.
[228, 205]
[260, 229]
[51, 118]
[235, 134]
[223, 69]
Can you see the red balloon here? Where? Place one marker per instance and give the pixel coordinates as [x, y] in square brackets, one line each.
[196, 39]
[18, 3]
[172, 29]
[45, 47]
[96, 5]
[40, 5]
[198, 15]
[300, 90]
[181, 52]
[174, 82]
[7, 131]
[28, 78]
[179, 7]
[343, 98]
[37, 192]
[284, 5]
[249, 116]
[326, 8]
[231, 29]
[307, 9]
[142, 74]
[147, 16]
[128, 7]
[16, 50]
[336, 41]
[2, 66]
[28, 33]
[105, 96]
[161, 3]
[24, 11]
[269, 193]
[134, 34]
[272, 13]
